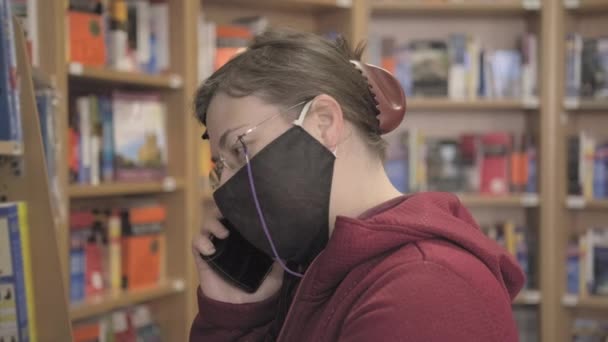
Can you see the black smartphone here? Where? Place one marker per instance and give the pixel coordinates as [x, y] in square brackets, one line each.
[238, 261]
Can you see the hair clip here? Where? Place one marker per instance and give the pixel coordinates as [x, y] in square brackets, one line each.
[388, 94]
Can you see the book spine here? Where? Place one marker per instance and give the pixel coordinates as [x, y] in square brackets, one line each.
[588, 152]
[20, 292]
[77, 269]
[473, 79]
[6, 133]
[12, 89]
[532, 181]
[107, 153]
[84, 118]
[114, 232]
[510, 238]
[143, 52]
[24, 230]
[159, 16]
[583, 247]
[118, 35]
[95, 142]
[572, 171]
[573, 268]
[600, 172]
[521, 253]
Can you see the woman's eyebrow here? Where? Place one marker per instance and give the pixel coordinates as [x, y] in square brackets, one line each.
[226, 133]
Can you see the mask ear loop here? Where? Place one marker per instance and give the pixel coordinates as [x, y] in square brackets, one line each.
[256, 201]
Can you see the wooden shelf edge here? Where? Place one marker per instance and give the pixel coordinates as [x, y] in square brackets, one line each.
[454, 105]
[479, 200]
[528, 297]
[105, 303]
[10, 148]
[169, 184]
[590, 302]
[575, 104]
[79, 71]
[586, 6]
[457, 8]
[287, 5]
[581, 203]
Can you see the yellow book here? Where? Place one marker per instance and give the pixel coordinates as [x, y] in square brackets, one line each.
[583, 266]
[24, 231]
[510, 237]
[588, 155]
[114, 233]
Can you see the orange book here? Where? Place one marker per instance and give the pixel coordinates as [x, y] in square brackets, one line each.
[86, 332]
[147, 214]
[142, 247]
[231, 40]
[86, 38]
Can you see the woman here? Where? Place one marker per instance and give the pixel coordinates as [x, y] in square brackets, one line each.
[295, 127]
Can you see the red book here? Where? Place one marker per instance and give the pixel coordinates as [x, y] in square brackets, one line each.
[86, 38]
[495, 164]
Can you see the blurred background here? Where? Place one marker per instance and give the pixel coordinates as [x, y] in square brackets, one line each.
[103, 175]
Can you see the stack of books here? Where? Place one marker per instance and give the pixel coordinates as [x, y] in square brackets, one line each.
[587, 264]
[586, 67]
[587, 168]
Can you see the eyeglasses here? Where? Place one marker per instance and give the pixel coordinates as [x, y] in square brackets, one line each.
[238, 153]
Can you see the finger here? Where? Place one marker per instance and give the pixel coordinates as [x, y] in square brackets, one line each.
[200, 263]
[203, 245]
[213, 226]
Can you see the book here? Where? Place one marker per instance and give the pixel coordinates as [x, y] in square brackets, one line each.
[573, 272]
[599, 250]
[494, 166]
[590, 68]
[586, 164]
[443, 165]
[138, 34]
[86, 38]
[600, 172]
[457, 81]
[430, 68]
[84, 127]
[529, 73]
[27, 12]
[10, 107]
[118, 41]
[473, 66]
[574, 49]
[387, 48]
[602, 60]
[402, 68]
[159, 32]
[573, 173]
[115, 256]
[107, 143]
[231, 40]
[15, 270]
[397, 162]
[519, 164]
[140, 140]
[142, 246]
[506, 73]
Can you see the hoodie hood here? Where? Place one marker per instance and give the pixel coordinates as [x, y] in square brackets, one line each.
[407, 220]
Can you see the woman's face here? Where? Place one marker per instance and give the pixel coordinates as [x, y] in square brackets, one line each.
[229, 117]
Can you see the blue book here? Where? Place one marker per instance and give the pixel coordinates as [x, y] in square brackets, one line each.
[107, 145]
[13, 298]
[77, 273]
[600, 172]
[5, 104]
[532, 184]
[11, 59]
[573, 268]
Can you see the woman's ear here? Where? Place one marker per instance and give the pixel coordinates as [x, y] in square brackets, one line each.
[325, 121]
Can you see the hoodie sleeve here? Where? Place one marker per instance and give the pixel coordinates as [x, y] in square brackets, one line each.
[218, 321]
[428, 302]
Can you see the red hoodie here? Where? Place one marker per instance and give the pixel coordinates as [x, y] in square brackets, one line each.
[416, 268]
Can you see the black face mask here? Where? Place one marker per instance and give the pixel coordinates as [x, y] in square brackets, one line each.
[292, 178]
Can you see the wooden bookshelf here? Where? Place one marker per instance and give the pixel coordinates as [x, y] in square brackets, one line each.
[586, 6]
[102, 304]
[477, 8]
[78, 71]
[10, 148]
[586, 105]
[478, 200]
[472, 105]
[528, 297]
[122, 189]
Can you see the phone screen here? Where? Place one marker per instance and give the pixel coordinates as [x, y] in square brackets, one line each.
[238, 261]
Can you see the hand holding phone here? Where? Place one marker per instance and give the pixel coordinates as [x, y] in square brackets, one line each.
[216, 285]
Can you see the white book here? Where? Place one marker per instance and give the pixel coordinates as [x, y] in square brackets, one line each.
[530, 68]
[159, 27]
[95, 154]
[457, 82]
[84, 117]
[143, 32]
[473, 68]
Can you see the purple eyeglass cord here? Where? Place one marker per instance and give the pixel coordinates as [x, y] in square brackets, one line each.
[261, 216]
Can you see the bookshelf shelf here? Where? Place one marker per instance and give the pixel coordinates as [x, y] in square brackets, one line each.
[586, 105]
[579, 202]
[78, 71]
[591, 302]
[528, 297]
[10, 148]
[477, 200]
[287, 5]
[117, 189]
[475, 105]
[586, 6]
[456, 8]
[105, 303]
